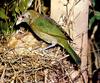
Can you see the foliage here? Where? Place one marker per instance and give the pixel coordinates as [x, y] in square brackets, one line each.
[8, 14]
[94, 15]
[94, 31]
[10, 9]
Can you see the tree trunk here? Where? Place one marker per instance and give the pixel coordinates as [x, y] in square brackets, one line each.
[72, 15]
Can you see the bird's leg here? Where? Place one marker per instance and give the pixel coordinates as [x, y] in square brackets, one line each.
[50, 46]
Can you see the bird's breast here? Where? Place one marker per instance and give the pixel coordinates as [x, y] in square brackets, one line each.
[46, 37]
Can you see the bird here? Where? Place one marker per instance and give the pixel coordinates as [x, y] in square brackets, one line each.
[48, 30]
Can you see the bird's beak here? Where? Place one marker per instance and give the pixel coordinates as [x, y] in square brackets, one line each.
[19, 20]
[17, 23]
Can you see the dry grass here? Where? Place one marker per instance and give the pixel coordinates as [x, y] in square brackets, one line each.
[35, 66]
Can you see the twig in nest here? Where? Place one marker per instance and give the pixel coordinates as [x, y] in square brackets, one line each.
[3, 74]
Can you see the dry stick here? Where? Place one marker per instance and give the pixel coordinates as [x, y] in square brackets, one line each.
[94, 31]
[85, 69]
[95, 45]
[96, 55]
[15, 74]
[68, 74]
[70, 11]
[80, 34]
[39, 5]
[81, 75]
[36, 5]
[3, 74]
[20, 80]
[90, 60]
[81, 46]
[35, 77]
[46, 76]
[63, 58]
[62, 69]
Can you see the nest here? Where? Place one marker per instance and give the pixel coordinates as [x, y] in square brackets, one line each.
[27, 63]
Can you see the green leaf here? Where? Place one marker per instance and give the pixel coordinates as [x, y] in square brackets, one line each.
[94, 3]
[5, 28]
[17, 9]
[23, 5]
[2, 14]
[91, 21]
[97, 15]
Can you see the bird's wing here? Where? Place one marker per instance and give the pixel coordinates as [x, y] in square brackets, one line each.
[54, 23]
[49, 27]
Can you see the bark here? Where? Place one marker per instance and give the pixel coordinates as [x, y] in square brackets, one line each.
[73, 16]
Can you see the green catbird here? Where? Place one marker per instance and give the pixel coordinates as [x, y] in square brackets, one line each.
[48, 31]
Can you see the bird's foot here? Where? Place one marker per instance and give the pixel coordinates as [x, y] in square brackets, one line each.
[45, 49]
[42, 49]
[48, 47]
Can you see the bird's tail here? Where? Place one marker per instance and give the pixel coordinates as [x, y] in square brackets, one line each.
[71, 52]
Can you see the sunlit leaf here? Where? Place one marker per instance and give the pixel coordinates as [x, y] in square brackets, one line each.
[2, 14]
[24, 5]
[97, 15]
[17, 9]
[94, 3]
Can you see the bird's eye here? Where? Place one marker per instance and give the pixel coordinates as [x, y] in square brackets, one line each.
[23, 16]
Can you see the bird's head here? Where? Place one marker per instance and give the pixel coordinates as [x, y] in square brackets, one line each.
[23, 18]
[28, 17]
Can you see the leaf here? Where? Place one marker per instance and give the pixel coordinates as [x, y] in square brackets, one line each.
[2, 14]
[97, 15]
[17, 9]
[94, 3]
[29, 3]
[23, 5]
[5, 28]
[91, 21]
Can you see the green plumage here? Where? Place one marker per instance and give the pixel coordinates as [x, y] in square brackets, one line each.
[48, 31]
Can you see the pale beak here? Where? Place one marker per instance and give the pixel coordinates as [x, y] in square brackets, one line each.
[19, 21]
